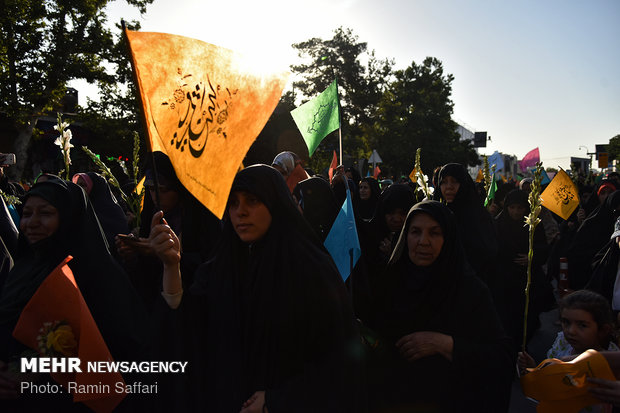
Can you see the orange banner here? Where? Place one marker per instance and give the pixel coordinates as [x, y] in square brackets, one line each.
[57, 323]
[561, 387]
[204, 107]
[561, 195]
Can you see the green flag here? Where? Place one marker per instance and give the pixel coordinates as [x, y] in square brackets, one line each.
[318, 117]
[492, 190]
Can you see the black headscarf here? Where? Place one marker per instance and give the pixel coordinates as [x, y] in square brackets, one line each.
[591, 237]
[395, 196]
[110, 214]
[513, 237]
[318, 203]
[198, 227]
[113, 303]
[466, 195]
[475, 223]
[277, 313]
[446, 298]
[365, 208]
[430, 287]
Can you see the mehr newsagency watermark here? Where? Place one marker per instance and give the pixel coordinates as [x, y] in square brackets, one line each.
[74, 365]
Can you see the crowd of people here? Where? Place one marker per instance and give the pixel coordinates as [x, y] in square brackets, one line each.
[431, 318]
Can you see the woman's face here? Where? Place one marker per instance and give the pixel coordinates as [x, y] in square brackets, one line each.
[449, 188]
[250, 218]
[40, 219]
[395, 219]
[365, 190]
[168, 198]
[424, 239]
[516, 211]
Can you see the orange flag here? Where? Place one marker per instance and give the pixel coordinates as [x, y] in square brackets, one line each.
[204, 106]
[333, 166]
[58, 315]
[561, 195]
[480, 176]
[377, 172]
[561, 387]
[413, 176]
[298, 175]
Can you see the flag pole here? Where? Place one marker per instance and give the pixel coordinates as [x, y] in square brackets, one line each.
[142, 114]
[339, 122]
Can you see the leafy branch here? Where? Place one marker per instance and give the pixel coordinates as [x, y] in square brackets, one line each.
[133, 200]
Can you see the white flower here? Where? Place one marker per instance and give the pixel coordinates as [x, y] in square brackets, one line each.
[63, 126]
[64, 142]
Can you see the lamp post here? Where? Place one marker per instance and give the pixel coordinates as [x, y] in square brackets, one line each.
[587, 153]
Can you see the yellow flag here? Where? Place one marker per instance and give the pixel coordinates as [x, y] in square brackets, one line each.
[480, 176]
[413, 176]
[561, 196]
[204, 107]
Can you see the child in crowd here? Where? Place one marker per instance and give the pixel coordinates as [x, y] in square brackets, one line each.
[587, 323]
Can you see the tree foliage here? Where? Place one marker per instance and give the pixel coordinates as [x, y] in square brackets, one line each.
[415, 112]
[362, 78]
[614, 148]
[44, 45]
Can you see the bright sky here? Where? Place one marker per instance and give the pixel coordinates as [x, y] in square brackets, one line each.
[532, 73]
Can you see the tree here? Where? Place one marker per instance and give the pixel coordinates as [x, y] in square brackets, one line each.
[360, 86]
[416, 112]
[614, 148]
[44, 45]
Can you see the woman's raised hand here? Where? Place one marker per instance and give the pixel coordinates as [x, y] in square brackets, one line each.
[163, 241]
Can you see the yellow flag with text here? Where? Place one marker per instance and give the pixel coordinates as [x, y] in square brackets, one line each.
[204, 107]
[561, 196]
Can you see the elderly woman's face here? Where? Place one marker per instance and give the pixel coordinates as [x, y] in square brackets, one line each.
[40, 219]
[250, 218]
[449, 188]
[365, 191]
[424, 239]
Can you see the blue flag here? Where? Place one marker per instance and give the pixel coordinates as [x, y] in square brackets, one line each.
[544, 177]
[342, 241]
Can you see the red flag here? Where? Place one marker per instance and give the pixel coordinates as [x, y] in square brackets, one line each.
[529, 160]
[377, 172]
[298, 175]
[333, 166]
[58, 314]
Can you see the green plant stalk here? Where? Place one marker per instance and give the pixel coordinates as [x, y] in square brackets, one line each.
[420, 175]
[133, 202]
[532, 220]
[10, 199]
[486, 173]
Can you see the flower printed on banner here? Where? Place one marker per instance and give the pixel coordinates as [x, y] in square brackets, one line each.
[57, 339]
